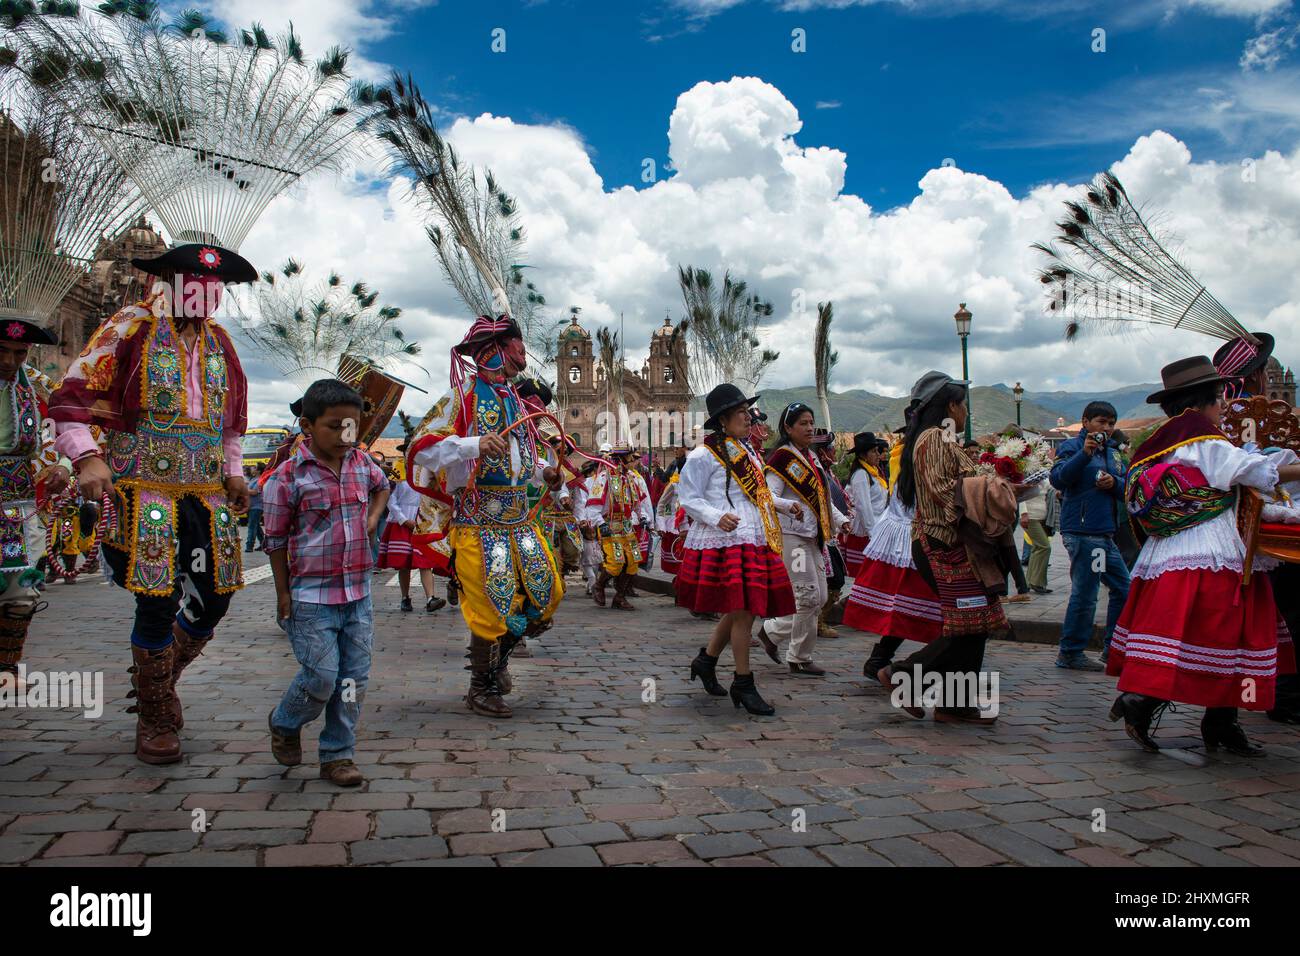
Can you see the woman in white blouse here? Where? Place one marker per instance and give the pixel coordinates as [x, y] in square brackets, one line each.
[1190, 632]
[869, 491]
[731, 563]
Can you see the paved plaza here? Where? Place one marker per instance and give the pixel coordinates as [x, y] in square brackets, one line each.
[613, 758]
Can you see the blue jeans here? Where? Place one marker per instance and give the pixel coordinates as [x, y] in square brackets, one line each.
[255, 535]
[1085, 552]
[332, 643]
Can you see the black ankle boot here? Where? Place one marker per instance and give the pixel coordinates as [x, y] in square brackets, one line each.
[706, 669]
[1219, 728]
[1138, 711]
[743, 692]
[881, 656]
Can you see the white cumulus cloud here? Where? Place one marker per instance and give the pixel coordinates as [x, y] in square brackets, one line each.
[748, 197]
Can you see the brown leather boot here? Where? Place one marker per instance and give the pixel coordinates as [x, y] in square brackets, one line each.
[484, 696]
[824, 629]
[598, 592]
[622, 584]
[188, 648]
[13, 635]
[155, 731]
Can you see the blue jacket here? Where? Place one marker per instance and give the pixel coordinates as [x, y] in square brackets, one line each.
[1085, 508]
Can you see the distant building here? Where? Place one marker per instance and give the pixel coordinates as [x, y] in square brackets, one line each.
[1281, 383]
[657, 398]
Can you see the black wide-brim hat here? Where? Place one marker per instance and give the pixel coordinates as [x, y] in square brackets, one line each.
[197, 259]
[472, 344]
[25, 331]
[864, 442]
[1264, 351]
[723, 399]
[1184, 374]
[535, 386]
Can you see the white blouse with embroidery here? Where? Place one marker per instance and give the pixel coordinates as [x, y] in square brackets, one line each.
[702, 493]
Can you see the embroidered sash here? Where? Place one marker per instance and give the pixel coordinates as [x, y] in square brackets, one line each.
[806, 480]
[747, 473]
[1165, 498]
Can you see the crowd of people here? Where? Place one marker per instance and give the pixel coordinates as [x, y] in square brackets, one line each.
[763, 528]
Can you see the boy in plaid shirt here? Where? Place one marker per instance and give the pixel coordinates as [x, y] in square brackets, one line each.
[319, 509]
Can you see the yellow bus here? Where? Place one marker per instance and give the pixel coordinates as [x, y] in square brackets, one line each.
[260, 444]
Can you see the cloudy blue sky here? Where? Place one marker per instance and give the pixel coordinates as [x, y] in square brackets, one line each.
[900, 163]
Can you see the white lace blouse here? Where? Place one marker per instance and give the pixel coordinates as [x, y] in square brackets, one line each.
[702, 493]
[1213, 545]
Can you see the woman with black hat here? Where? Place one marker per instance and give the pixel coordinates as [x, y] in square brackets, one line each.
[869, 492]
[1190, 632]
[795, 472]
[731, 563]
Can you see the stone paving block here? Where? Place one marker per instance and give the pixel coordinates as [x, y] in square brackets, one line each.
[852, 854]
[160, 841]
[878, 828]
[712, 846]
[307, 854]
[402, 823]
[397, 850]
[670, 826]
[960, 850]
[1018, 847]
[554, 856]
[470, 844]
[339, 826]
[642, 852]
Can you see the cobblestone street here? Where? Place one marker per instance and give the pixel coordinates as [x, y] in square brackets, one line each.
[590, 773]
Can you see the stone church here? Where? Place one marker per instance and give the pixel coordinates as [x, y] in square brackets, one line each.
[657, 398]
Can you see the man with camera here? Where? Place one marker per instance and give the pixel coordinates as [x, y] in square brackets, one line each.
[1090, 476]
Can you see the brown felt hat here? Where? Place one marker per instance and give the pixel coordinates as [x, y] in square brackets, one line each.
[1184, 374]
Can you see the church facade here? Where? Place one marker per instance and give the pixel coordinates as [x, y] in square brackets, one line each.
[655, 401]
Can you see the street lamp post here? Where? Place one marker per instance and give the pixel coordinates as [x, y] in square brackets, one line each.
[1019, 393]
[963, 318]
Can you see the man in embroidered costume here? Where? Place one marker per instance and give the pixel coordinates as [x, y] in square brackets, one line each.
[22, 440]
[166, 386]
[482, 457]
[616, 504]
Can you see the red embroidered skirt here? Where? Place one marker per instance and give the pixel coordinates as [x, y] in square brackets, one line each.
[854, 545]
[1197, 637]
[893, 602]
[743, 577]
[396, 550]
[670, 551]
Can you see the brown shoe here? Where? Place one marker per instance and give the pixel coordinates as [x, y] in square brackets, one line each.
[962, 715]
[286, 746]
[768, 644]
[809, 668]
[342, 773]
[155, 730]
